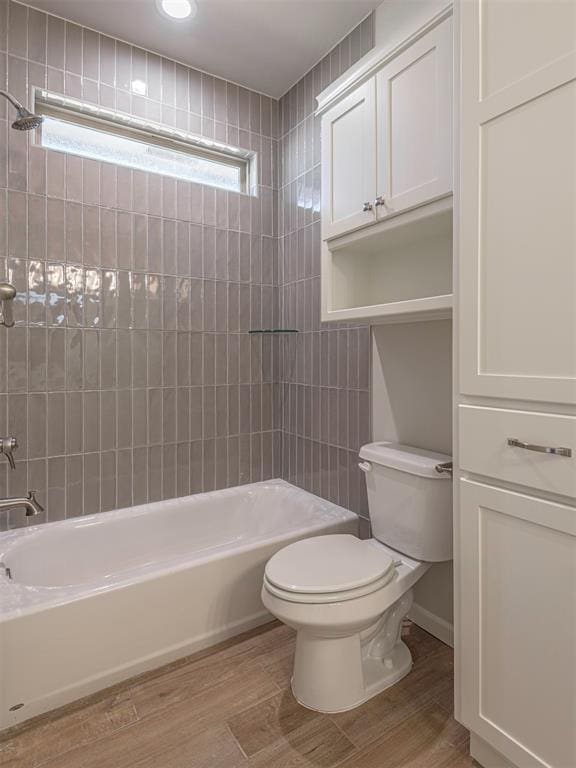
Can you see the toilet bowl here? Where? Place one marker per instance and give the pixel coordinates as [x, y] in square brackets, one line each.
[348, 646]
[347, 597]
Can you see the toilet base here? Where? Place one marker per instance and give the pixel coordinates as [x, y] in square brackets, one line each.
[335, 674]
[379, 675]
[382, 673]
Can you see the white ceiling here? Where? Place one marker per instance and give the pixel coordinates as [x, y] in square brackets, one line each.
[267, 45]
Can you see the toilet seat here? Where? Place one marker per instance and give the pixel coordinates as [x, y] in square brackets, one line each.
[328, 569]
[322, 598]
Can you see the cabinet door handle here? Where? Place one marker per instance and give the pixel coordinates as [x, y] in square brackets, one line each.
[380, 200]
[513, 442]
[367, 207]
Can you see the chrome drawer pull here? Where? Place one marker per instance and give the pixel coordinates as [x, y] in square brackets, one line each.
[513, 442]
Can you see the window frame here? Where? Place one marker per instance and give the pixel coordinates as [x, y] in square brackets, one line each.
[116, 123]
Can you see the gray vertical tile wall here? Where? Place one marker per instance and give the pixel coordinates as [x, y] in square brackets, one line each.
[324, 370]
[130, 375]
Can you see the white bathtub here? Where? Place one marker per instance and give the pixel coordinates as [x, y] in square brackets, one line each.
[90, 601]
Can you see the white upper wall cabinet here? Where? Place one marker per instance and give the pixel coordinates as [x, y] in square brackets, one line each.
[518, 200]
[387, 183]
[414, 119]
[387, 145]
[349, 162]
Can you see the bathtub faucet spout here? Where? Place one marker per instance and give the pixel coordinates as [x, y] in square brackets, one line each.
[29, 502]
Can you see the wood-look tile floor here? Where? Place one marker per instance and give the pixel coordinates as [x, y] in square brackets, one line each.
[231, 707]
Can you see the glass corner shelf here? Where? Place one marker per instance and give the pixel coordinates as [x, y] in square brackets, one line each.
[273, 330]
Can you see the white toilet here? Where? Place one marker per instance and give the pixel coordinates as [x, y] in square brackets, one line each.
[347, 597]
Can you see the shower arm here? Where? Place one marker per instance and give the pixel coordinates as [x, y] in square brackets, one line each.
[25, 120]
[15, 103]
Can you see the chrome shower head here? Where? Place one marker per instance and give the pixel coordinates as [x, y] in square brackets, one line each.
[26, 120]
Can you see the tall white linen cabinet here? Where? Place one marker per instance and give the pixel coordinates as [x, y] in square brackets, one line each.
[515, 331]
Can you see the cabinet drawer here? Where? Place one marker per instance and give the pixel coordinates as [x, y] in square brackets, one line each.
[484, 448]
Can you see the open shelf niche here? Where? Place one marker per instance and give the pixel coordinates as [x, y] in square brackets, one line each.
[401, 271]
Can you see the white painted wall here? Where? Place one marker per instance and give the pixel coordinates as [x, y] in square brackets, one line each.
[420, 411]
[412, 384]
[412, 404]
[395, 20]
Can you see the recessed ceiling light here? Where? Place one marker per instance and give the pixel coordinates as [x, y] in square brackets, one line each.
[178, 9]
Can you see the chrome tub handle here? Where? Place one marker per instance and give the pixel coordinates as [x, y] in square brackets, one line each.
[7, 296]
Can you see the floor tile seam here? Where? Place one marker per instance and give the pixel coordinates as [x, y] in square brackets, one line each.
[264, 666]
[226, 721]
[235, 740]
[355, 748]
[302, 760]
[89, 743]
[373, 741]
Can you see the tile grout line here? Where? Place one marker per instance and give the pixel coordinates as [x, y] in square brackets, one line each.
[227, 727]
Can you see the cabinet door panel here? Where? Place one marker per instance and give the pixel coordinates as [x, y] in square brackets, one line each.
[518, 614]
[518, 197]
[348, 162]
[414, 97]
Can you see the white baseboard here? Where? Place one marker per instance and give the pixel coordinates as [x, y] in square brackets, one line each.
[486, 755]
[433, 624]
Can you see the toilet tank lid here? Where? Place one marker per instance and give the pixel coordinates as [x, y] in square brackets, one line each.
[406, 458]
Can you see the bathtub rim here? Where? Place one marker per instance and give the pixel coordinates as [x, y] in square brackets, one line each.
[48, 597]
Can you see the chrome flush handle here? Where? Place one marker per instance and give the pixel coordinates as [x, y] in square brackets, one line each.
[513, 442]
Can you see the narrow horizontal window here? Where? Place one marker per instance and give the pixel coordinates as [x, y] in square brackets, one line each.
[100, 134]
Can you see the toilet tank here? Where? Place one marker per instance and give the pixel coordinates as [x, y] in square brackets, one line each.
[409, 501]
